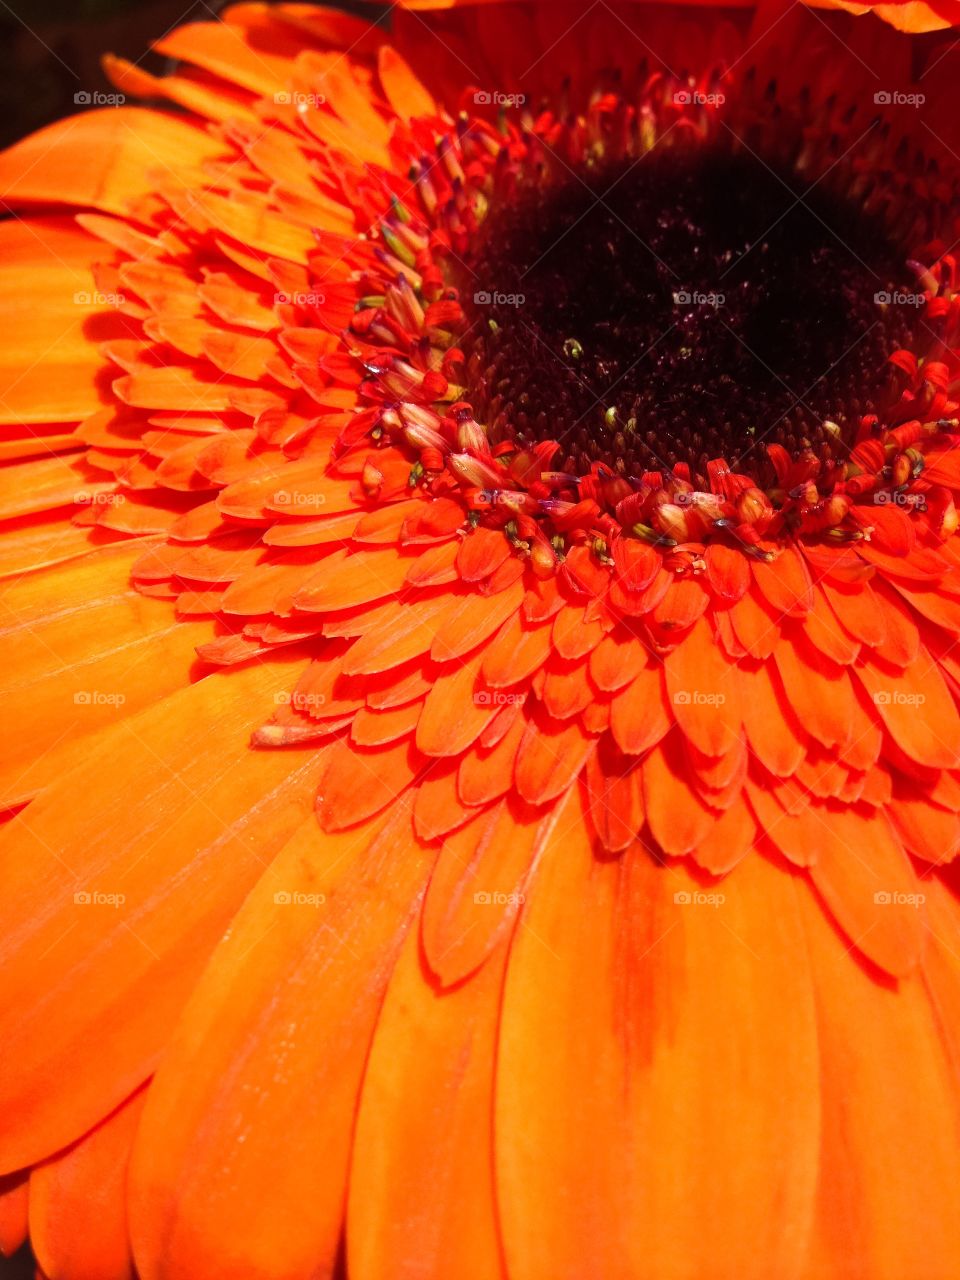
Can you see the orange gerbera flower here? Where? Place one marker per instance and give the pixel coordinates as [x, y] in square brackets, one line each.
[543, 425]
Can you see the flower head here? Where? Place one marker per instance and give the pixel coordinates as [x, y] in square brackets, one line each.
[481, 603]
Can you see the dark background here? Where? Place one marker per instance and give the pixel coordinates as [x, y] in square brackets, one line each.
[50, 50]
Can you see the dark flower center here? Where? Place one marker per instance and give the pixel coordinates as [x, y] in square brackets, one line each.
[694, 305]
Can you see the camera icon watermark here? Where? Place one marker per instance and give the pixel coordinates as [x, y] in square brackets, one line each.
[484, 298]
[895, 98]
[897, 698]
[302, 101]
[498, 698]
[295, 898]
[697, 498]
[88, 498]
[94, 298]
[697, 898]
[97, 698]
[898, 298]
[94, 898]
[298, 498]
[895, 898]
[299, 298]
[298, 700]
[488, 98]
[893, 498]
[698, 698]
[693, 298]
[695, 98]
[95, 98]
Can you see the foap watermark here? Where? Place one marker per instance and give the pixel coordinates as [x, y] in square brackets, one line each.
[294, 898]
[698, 698]
[898, 298]
[697, 898]
[299, 701]
[693, 298]
[96, 98]
[483, 298]
[696, 498]
[493, 898]
[302, 101]
[898, 698]
[298, 498]
[893, 498]
[94, 298]
[95, 898]
[98, 698]
[498, 698]
[98, 498]
[493, 98]
[894, 898]
[300, 298]
[697, 98]
[493, 498]
[896, 98]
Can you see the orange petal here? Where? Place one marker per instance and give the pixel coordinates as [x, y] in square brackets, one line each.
[755, 625]
[405, 93]
[665, 1180]
[474, 620]
[926, 830]
[103, 654]
[347, 579]
[822, 628]
[795, 833]
[640, 715]
[78, 1211]
[819, 691]
[211, 1189]
[102, 159]
[98, 982]
[728, 571]
[703, 692]
[616, 798]
[573, 635]
[617, 659]
[455, 711]
[228, 51]
[396, 635]
[384, 774]
[678, 818]
[52, 321]
[437, 808]
[550, 758]
[784, 583]
[730, 839]
[486, 775]
[421, 1197]
[774, 736]
[481, 553]
[872, 1036]
[516, 653]
[917, 709]
[375, 728]
[868, 883]
[477, 887]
